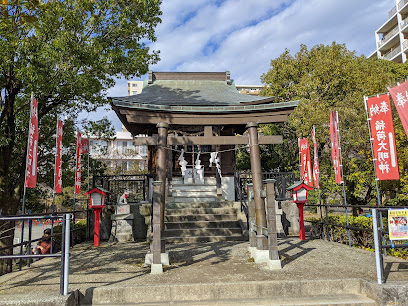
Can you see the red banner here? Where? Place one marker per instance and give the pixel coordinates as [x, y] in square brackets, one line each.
[58, 163]
[32, 148]
[382, 129]
[84, 145]
[78, 164]
[335, 148]
[399, 95]
[305, 164]
[316, 170]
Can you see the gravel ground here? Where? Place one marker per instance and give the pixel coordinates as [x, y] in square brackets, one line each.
[122, 264]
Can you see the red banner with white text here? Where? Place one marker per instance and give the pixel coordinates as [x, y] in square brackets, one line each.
[78, 164]
[335, 146]
[316, 170]
[305, 163]
[32, 148]
[382, 129]
[58, 163]
[399, 95]
[84, 145]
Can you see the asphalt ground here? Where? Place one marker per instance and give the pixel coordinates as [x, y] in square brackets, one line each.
[122, 265]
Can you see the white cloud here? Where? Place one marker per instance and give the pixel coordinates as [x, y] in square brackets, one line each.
[243, 36]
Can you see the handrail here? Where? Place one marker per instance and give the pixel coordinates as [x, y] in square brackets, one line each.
[64, 252]
[244, 204]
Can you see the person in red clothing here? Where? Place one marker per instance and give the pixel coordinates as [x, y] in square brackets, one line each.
[44, 245]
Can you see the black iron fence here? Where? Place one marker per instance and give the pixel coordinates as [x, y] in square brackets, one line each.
[137, 186]
[374, 234]
[283, 181]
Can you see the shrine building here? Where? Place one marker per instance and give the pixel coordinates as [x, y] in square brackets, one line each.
[194, 114]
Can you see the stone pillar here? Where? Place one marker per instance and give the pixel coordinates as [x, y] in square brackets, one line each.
[156, 266]
[274, 261]
[256, 170]
[161, 174]
[251, 219]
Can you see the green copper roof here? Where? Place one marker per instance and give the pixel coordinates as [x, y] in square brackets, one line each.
[196, 96]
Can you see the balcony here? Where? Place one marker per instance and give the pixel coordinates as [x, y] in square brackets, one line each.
[392, 53]
[402, 3]
[387, 36]
[392, 12]
[405, 45]
[404, 22]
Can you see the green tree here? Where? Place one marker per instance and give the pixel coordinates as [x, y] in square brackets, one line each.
[68, 53]
[328, 78]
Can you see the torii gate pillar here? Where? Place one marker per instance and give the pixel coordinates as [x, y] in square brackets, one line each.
[256, 170]
[161, 172]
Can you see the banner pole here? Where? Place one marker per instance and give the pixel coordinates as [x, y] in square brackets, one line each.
[88, 163]
[300, 161]
[25, 188]
[53, 191]
[375, 171]
[342, 176]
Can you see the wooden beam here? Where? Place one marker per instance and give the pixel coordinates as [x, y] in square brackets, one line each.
[202, 140]
[200, 120]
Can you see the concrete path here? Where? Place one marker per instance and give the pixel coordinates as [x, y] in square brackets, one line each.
[121, 265]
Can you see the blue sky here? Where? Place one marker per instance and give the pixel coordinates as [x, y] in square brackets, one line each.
[242, 36]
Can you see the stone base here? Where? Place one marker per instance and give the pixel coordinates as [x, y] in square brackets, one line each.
[123, 237]
[252, 251]
[156, 269]
[122, 228]
[261, 256]
[164, 259]
[274, 264]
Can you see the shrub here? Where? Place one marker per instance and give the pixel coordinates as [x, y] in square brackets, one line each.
[359, 238]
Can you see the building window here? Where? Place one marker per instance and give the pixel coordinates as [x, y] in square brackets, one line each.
[134, 92]
[134, 85]
[143, 150]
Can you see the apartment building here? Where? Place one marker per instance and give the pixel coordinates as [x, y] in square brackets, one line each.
[119, 154]
[135, 87]
[249, 89]
[392, 36]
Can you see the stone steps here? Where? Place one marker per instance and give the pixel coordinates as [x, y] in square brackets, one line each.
[192, 239]
[188, 232]
[295, 292]
[200, 217]
[194, 199]
[201, 224]
[214, 204]
[198, 210]
[193, 193]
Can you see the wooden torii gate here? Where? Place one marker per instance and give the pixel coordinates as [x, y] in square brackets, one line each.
[204, 103]
[163, 140]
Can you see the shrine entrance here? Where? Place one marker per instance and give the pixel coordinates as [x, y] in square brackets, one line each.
[192, 123]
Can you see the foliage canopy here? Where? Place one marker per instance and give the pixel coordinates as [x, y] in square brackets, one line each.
[331, 77]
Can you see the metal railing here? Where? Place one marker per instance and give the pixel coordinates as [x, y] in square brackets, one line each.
[402, 3]
[136, 184]
[64, 255]
[240, 196]
[392, 12]
[393, 52]
[283, 181]
[379, 235]
[387, 36]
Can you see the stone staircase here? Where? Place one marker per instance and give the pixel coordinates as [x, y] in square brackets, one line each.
[205, 221]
